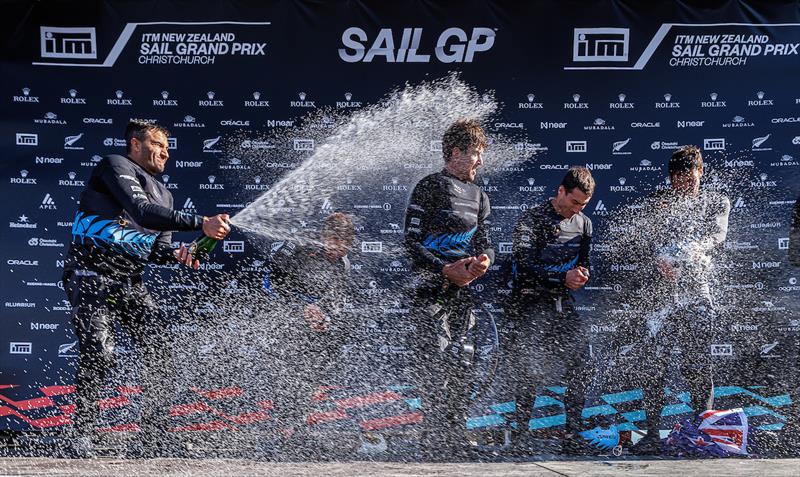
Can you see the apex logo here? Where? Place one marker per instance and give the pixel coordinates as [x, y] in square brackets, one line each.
[739, 204]
[48, 203]
[600, 44]
[600, 208]
[453, 45]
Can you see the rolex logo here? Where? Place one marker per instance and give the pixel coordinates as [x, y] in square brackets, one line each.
[165, 94]
[118, 94]
[71, 175]
[621, 97]
[73, 93]
[257, 179]
[394, 180]
[26, 91]
[763, 176]
[23, 173]
[302, 96]
[576, 97]
[256, 95]
[165, 178]
[485, 181]
[210, 94]
[622, 181]
[760, 95]
[714, 96]
[211, 179]
[531, 181]
[667, 97]
[531, 97]
[347, 96]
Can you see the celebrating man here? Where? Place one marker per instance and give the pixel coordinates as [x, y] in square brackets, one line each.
[448, 243]
[124, 221]
[550, 260]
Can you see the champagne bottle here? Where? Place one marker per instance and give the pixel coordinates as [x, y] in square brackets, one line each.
[201, 248]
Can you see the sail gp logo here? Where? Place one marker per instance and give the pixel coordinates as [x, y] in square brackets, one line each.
[411, 45]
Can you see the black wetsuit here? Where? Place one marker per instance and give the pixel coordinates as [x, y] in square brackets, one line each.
[123, 222]
[546, 330]
[299, 276]
[687, 232]
[446, 220]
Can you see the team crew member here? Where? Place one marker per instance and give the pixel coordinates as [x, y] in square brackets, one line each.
[448, 243]
[312, 284]
[550, 260]
[683, 228]
[123, 222]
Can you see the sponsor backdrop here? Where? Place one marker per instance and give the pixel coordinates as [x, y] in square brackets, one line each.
[600, 84]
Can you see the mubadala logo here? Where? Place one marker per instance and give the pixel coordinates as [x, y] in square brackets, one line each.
[667, 103]
[713, 103]
[234, 164]
[690, 124]
[636, 124]
[738, 122]
[50, 118]
[208, 144]
[395, 266]
[302, 103]
[530, 103]
[69, 142]
[645, 166]
[621, 104]
[531, 187]
[576, 146]
[189, 122]
[303, 144]
[715, 144]
[211, 102]
[71, 182]
[23, 179]
[576, 103]
[622, 187]
[617, 146]
[347, 103]
[452, 46]
[786, 160]
[760, 101]
[211, 185]
[165, 101]
[73, 98]
[762, 182]
[256, 185]
[600, 44]
[26, 97]
[22, 223]
[757, 142]
[256, 102]
[48, 203]
[93, 161]
[552, 125]
[27, 139]
[118, 100]
[79, 43]
[599, 124]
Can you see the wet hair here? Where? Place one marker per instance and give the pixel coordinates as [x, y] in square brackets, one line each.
[580, 177]
[463, 134]
[339, 225]
[685, 159]
[138, 129]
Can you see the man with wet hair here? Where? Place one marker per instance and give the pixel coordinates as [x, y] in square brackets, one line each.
[124, 221]
[447, 240]
[550, 260]
[312, 284]
[684, 229]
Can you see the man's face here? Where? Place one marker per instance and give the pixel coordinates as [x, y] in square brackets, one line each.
[570, 203]
[687, 182]
[151, 153]
[465, 164]
[335, 247]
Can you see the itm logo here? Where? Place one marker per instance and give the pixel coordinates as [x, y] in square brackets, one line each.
[600, 44]
[48, 203]
[721, 350]
[505, 247]
[576, 146]
[783, 243]
[27, 139]
[715, 144]
[20, 347]
[303, 144]
[68, 43]
[233, 246]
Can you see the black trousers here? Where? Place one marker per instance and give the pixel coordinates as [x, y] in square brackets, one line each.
[546, 336]
[98, 303]
[685, 337]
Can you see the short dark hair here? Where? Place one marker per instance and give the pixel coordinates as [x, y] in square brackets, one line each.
[685, 159]
[580, 177]
[339, 225]
[463, 134]
[137, 129]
